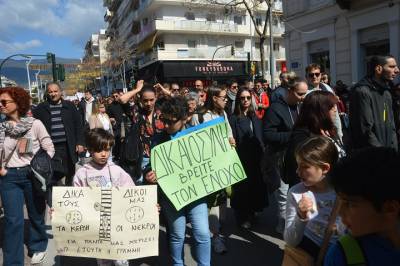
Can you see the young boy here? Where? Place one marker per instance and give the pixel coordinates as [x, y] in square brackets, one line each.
[367, 185]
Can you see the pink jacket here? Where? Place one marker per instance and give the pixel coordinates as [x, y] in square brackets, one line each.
[106, 176]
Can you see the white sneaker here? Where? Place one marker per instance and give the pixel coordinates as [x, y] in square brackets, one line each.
[38, 257]
[121, 263]
[218, 244]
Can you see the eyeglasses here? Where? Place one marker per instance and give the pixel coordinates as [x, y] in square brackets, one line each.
[234, 86]
[245, 98]
[168, 121]
[5, 102]
[311, 75]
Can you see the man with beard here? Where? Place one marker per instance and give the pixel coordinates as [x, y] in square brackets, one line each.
[371, 114]
[63, 121]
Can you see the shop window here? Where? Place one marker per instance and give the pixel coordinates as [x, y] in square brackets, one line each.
[189, 16]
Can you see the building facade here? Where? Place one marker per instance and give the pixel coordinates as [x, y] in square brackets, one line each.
[340, 35]
[182, 40]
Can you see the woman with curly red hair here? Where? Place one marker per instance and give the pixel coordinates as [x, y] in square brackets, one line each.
[20, 138]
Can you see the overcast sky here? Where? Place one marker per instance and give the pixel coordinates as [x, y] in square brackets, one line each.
[39, 26]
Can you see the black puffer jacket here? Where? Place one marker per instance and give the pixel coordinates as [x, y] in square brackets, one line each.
[371, 115]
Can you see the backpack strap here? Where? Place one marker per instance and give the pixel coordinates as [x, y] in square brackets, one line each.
[352, 251]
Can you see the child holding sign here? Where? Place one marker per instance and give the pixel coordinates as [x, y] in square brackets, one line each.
[174, 116]
[310, 203]
[100, 172]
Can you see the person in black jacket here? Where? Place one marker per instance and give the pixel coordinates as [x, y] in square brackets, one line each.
[277, 125]
[249, 196]
[371, 115]
[63, 122]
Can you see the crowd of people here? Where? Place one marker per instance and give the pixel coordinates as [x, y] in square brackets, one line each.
[328, 155]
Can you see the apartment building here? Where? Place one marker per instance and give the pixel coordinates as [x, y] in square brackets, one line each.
[185, 40]
[340, 35]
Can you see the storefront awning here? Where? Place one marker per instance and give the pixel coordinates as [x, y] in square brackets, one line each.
[146, 44]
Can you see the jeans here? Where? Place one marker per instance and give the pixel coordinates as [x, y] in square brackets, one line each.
[16, 187]
[197, 214]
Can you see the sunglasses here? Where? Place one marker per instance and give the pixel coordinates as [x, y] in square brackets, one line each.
[5, 102]
[167, 121]
[245, 98]
[311, 75]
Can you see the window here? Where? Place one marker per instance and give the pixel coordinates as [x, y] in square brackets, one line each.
[136, 27]
[258, 21]
[192, 44]
[239, 44]
[189, 16]
[276, 46]
[257, 45]
[275, 21]
[238, 20]
[210, 17]
[160, 45]
[145, 21]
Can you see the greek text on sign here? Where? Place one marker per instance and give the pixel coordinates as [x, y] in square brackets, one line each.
[117, 224]
[195, 165]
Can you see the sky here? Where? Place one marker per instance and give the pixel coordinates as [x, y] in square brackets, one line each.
[39, 26]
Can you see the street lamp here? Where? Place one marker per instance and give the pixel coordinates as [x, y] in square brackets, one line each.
[216, 50]
[11, 56]
[29, 78]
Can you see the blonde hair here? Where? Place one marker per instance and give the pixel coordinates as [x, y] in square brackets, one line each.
[317, 151]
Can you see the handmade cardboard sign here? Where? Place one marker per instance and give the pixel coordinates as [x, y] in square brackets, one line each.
[194, 165]
[117, 223]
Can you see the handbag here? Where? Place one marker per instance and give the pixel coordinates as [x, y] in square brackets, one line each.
[294, 256]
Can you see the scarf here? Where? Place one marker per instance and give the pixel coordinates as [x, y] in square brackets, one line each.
[17, 131]
[232, 96]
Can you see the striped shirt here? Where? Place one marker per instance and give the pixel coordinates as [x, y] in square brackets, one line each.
[57, 126]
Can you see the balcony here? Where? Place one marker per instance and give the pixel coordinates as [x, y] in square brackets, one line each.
[193, 26]
[278, 55]
[192, 54]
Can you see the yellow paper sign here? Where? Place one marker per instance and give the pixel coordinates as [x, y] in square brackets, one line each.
[106, 223]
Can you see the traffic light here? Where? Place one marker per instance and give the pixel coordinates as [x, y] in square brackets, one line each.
[60, 72]
[51, 58]
[232, 50]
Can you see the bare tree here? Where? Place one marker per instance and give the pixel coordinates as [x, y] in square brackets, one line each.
[119, 55]
[252, 7]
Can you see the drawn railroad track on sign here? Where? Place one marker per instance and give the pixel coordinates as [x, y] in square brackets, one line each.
[105, 214]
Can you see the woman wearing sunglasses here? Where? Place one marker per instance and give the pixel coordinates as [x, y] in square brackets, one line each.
[214, 108]
[249, 196]
[20, 138]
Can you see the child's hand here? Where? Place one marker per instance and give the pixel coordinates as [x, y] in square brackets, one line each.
[232, 142]
[151, 177]
[3, 171]
[305, 206]
[51, 211]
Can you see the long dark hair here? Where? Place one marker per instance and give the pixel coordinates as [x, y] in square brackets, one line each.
[238, 106]
[209, 103]
[314, 113]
